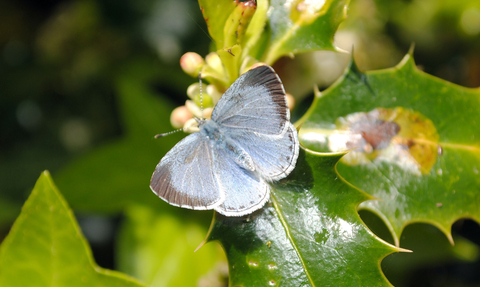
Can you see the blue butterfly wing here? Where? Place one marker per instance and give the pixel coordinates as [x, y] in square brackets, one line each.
[255, 102]
[245, 191]
[198, 173]
[253, 112]
[186, 177]
[274, 157]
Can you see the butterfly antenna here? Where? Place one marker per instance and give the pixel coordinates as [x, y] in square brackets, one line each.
[201, 93]
[166, 134]
[199, 26]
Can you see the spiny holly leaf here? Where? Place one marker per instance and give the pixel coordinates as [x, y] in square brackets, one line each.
[46, 248]
[302, 26]
[309, 235]
[293, 26]
[416, 139]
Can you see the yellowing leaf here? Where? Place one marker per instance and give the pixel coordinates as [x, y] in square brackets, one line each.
[429, 169]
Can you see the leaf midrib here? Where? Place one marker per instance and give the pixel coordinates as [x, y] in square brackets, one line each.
[289, 236]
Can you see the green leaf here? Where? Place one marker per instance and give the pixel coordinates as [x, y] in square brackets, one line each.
[255, 30]
[46, 248]
[303, 26]
[417, 143]
[309, 235]
[159, 249]
[216, 14]
[118, 173]
[234, 22]
[236, 27]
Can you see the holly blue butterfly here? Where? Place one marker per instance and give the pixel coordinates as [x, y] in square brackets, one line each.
[248, 143]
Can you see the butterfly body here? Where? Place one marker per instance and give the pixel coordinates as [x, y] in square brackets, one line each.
[211, 130]
[228, 164]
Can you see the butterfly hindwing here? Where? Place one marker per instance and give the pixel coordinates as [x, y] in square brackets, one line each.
[245, 191]
[274, 157]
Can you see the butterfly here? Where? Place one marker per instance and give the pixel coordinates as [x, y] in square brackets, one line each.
[229, 164]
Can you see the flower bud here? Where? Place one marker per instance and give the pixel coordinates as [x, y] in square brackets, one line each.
[215, 63]
[193, 93]
[290, 101]
[213, 92]
[193, 108]
[191, 126]
[193, 90]
[192, 63]
[205, 99]
[207, 113]
[180, 116]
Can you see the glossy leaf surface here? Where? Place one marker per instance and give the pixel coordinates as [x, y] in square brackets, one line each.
[416, 140]
[309, 235]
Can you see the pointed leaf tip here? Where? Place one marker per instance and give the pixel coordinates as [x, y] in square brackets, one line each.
[45, 246]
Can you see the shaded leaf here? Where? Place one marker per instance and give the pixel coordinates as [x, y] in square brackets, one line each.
[255, 30]
[46, 248]
[235, 22]
[216, 14]
[159, 249]
[303, 26]
[309, 235]
[426, 170]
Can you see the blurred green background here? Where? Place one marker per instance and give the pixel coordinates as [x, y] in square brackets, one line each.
[60, 62]
[58, 66]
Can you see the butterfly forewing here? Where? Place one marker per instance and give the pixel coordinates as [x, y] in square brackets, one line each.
[185, 176]
[255, 103]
